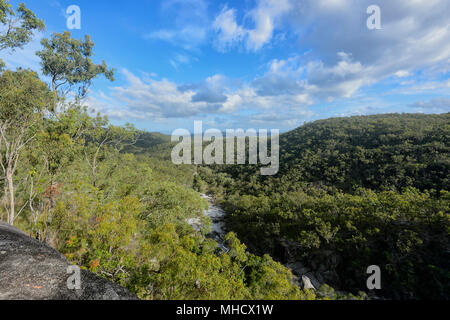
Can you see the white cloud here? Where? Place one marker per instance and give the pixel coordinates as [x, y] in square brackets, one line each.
[415, 87]
[342, 59]
[314, 79]
[414, 33]
[179, 59]
[402, 74]
[145, 98]
[264, 17]
[228, 31]
[343, 54]
[148, 98]
[188, 38]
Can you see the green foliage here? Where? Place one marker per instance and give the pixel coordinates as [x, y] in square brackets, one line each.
[377, 152]
[380, 152]
[406, 234]
[130, 224]
[23, 96]
[351, 192]
[18, 25]
[120, 215]
[169, 203]
[68, 63]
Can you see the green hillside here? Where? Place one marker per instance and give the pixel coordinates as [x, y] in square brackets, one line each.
[351, 192]
[380, 152]
[154, 144]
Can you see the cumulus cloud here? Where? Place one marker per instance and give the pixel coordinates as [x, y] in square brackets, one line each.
[343, 54]
[414, 33]
[313, 79]
[228, 31]
[149, 98]
[211, 90]
[264, 19]
[265, 16]
[157, 98]
[338, 57]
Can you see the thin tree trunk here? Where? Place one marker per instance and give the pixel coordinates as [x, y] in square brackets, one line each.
[12, 211]
[55, 98]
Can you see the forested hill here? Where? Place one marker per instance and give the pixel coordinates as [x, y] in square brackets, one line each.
[153, 144]
[350, 193]
[378, 152]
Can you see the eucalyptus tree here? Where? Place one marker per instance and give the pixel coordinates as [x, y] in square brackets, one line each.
[68, 63]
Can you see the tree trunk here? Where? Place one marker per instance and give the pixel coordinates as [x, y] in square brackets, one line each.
[55, 98]
[12, 211]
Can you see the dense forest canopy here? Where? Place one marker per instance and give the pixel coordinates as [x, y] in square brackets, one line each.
[351, 192]
[380, 152]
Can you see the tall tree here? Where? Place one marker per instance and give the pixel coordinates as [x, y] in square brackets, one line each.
[23, 100]
[67, 61]
[17, 27]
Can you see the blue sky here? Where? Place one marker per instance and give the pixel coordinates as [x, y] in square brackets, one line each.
[271, 64]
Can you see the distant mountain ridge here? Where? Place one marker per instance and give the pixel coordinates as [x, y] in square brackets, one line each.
[379, 152]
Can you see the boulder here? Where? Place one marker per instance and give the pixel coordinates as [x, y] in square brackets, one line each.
[312, 280]
[309, 280]
[306, 283]
[31, 270]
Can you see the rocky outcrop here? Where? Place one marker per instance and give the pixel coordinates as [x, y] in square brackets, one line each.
[31, 270]
[306, 278]
[217, 217]
[307, 284]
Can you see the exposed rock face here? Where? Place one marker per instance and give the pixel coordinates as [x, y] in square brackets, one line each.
[308, 278]
[307, 283]
[217, 215]
[31, 270]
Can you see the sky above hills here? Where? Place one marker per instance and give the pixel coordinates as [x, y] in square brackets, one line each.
[257, 64]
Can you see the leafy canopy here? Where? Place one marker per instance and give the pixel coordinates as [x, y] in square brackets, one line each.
[68, 62]
[19, 25]
[22, 96]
